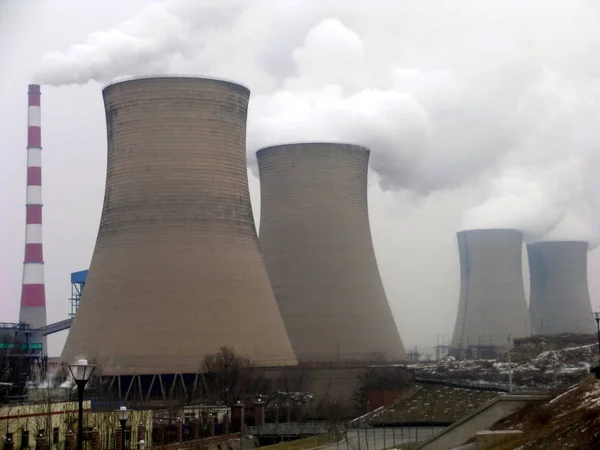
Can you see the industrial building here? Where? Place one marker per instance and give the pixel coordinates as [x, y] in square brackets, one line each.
[176, 272]
[492, 305]
[559, 301]
[316, 241]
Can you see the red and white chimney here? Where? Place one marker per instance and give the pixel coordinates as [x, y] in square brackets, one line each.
[33, 293]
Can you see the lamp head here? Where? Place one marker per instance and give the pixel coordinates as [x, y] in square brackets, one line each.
[123, 413]
[81, 370]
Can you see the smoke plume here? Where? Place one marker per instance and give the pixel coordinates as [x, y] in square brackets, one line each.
[497, 97]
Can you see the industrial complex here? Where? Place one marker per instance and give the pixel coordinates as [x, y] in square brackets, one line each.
[179, 276]
[559, 301]
[316, 242]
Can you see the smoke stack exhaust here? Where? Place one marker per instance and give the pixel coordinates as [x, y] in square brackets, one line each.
[492, 303]
[33, 292]
[177, 271]
[316, 241]
[559, 301]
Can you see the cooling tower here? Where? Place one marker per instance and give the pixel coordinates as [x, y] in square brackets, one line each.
[177, 271]
[559, 300]
[316, 242]
[492, 302]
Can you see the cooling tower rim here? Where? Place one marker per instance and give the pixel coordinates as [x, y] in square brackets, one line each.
[233, 84]
[312, 145]
[489, 230]
[562, 242]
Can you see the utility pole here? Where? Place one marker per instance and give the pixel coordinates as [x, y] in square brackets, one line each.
[509, 366]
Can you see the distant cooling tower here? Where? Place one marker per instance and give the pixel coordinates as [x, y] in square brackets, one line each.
[492, 302]
[316, 241]
[559, 300]
[177, 270]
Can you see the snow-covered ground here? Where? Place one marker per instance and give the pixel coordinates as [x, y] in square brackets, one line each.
[545, 370]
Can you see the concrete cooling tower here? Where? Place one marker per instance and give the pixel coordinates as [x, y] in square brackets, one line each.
[177, 271]
[492, 302]
[559, 300]
[316, 242]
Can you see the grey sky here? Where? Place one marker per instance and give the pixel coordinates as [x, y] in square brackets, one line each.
[478, 114]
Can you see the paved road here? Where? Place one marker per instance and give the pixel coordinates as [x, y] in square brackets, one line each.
[382, 438]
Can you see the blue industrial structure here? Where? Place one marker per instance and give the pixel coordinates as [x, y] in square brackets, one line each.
[78, 280]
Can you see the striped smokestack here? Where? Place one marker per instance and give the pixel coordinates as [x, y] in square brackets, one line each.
[33, 293]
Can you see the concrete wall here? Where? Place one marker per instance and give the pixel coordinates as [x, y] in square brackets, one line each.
[316, 240]
[560, 299]
[177, 270]
[492, 297]
[481, 419]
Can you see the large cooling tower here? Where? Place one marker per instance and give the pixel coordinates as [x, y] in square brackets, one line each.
[316, 242]
[559, 300]
[177, 270]
[492, 302]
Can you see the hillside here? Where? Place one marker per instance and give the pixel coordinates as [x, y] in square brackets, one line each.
[569, 420]
[434, 403]
[537, 363]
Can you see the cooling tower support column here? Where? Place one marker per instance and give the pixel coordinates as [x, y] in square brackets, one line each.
[559, 301]
[177, 271]
[492, 302]
[316, 241]
[33, 293]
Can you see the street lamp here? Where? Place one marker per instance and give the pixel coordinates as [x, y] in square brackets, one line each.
[123, 413]
[596, 315]
[81, 372]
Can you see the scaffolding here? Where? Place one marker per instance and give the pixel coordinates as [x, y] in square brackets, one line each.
[78, 280]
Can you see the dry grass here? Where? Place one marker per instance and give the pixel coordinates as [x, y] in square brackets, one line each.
[571, 421]
[436, 403]
[304, 444]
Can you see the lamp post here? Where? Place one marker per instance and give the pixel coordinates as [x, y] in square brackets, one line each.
[596, 315]
[123, 413]
[81, 372]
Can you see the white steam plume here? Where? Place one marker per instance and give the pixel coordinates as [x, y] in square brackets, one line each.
[147, 43]
[500, 96]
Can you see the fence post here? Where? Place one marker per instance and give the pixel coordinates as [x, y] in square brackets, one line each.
[41, 442]
[96, 439]
[9, 444]
[226, 423]
[118, 439]
[70, 440]
[179, 430]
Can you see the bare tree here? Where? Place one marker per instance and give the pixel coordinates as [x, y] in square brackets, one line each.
[379, 379]
[229, 377]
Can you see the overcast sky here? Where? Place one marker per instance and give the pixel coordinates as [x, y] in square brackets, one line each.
[478, 113]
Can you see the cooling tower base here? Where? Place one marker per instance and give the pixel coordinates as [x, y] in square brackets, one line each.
[337, 380]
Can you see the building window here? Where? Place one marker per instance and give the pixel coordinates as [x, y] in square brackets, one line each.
[55, 435]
